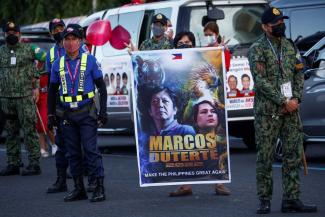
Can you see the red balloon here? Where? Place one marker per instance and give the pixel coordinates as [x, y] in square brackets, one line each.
[99, 32]
[120, 36]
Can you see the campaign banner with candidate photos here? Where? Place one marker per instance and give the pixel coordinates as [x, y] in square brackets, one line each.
[240, 93]
[117, 79]
[180, 118]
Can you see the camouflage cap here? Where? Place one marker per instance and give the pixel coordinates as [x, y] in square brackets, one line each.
[11, 26]
[160, 18]
[272, 15]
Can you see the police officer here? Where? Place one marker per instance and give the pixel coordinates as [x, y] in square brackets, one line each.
[159, 40]
[77, 74]
[278, 78]
[56, 28]
[17, 71]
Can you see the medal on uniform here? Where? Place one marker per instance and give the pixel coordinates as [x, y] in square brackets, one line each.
[13, 60]
[286, 90]
[73, 104]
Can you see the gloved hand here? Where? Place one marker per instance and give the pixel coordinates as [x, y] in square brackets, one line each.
[52, 122]
[102, 119]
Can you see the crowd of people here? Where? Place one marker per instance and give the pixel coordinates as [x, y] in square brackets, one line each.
[63, 98]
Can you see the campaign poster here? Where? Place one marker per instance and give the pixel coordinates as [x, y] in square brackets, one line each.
[240, 93]
[117, 79]
[180, 118]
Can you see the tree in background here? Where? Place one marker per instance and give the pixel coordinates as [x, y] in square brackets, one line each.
[33, 11]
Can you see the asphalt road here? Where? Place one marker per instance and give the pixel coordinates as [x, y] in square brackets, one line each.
[26, 197]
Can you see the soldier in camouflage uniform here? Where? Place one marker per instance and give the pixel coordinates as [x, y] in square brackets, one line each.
[278, 77]
[159, 41]
[17, 72]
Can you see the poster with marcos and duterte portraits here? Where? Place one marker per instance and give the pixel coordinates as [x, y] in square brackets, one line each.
[180, 118]
[240, 93]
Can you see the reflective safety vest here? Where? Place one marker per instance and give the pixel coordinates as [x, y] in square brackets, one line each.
[52, 55]
[80, 96]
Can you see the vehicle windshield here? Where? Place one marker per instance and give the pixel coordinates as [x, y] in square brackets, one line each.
[242, 24]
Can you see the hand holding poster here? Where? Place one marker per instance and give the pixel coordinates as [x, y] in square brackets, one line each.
[181, 126]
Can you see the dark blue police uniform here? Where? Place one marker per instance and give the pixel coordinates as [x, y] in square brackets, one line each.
[77, 79]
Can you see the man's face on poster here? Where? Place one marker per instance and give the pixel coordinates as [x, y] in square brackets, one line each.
[118, 80]
[125, 81]
[232, 83]
[162, 106]
[245, 82]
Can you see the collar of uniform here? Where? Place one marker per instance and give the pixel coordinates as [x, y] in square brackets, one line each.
[274, 40]
[14, 47]
[159, 41]
[78, 57]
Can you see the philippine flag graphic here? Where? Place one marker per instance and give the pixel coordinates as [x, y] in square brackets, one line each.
[177, 56]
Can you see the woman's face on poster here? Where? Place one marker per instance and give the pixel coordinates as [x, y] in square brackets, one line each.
[245, 82]
[207, 116]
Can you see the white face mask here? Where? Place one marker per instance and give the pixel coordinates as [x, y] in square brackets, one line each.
[169, 29]
[211, 39]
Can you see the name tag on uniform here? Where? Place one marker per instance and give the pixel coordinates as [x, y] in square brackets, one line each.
[286, 90]
[13, 60]
[73, 105]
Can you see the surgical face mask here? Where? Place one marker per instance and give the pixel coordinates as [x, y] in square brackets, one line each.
[57, 37]
[12, 39]
[71, 46]
[279, 30]
[157, 30]
[211, 39]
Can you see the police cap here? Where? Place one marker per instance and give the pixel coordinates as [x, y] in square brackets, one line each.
[74, 30]
[160, 18]
[55, 22]
[272, 15]
[11, 26]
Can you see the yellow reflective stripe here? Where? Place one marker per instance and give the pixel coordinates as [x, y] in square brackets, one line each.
[79, 98]
[83, 66]
[68, 99]
[52, 55]
[91, 94]
[62, 77]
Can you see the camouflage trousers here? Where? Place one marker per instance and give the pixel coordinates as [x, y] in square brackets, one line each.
[22, 116]
[267, 130]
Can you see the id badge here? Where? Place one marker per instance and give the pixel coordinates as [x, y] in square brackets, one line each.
[13, 60]
[73, 105]
[286, 90]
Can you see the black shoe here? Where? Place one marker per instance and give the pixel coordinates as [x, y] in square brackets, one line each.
[91, 184]
[61, 183]
[10, 170]
[264, 207]
[31, 170]
[79, 193]
[297, 206]
[99, 192]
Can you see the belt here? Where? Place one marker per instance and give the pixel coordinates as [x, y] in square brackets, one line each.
[84, 108]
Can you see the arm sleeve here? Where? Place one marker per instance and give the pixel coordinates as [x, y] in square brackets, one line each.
[100, 84]
[257, 67]
[298, 79]
[51, 99]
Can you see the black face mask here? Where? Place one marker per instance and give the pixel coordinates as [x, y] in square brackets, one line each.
[12, 39]
[279, 30]
[58, 37]
[182, 46]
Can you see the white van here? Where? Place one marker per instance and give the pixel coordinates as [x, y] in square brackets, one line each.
[241, 26]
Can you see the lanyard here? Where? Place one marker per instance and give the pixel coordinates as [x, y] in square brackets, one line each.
[74, 76]
[278, 56]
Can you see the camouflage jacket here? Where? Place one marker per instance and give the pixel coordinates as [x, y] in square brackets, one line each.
[268, 77]
[16, 79]
[152, 44]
